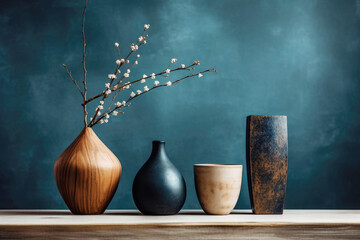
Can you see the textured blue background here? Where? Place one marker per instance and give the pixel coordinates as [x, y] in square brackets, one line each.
[297, 58]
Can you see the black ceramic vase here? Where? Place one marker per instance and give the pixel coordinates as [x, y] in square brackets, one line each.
[159, 188]
[267, 162]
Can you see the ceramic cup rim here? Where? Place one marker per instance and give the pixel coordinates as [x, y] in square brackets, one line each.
[218, 165]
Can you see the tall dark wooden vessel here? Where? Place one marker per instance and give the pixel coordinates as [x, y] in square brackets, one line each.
[267, 162]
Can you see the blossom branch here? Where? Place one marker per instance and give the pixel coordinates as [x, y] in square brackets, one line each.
[189, 68]
[141, 40]
[107, 112]
[113, 86]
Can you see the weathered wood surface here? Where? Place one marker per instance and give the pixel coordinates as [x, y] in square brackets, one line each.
[267, 162]
[189, 224]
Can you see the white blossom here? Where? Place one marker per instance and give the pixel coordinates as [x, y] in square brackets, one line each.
[116, 44]
[168, 83]
[136, 62]
[146, 89]
[153, 76]
[138, 55]
[102, 102]
[126, 75]
[140, 38]
[173, 60]
[107, 85]
[91, 119]
[99, 113]
[128, 71]
[118, 71]
[112, 76]
[122, 60]
[107, 92]
[127, 61]
[142, 80]
[127, 85]
[145, 76]
[115, 113]
[156, 83]
[144, 42]
[101, 121]
[182, 65]
[124, 103]
[107, 115]
[134, 47]
[146, 26]
[117, 104]
[118, 62]
[106, 120]
[100, 107]
[200, 75]
[132, 94]
[167, 71]
[138, 92]
[196, 62]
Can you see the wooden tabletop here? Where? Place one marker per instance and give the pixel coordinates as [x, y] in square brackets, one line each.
[186, 217]
[241, 224]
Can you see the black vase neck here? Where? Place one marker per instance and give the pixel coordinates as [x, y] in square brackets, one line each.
[158, 150]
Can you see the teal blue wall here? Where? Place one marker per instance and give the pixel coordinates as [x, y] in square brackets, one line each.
[297, 58]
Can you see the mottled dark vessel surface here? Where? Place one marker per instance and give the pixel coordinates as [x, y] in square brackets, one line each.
[267, 162]
[159, 188]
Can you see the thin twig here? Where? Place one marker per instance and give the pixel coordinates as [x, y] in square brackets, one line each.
[84, 66]
[69, 73]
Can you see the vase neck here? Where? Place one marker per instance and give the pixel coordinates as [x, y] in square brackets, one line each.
[158, 150]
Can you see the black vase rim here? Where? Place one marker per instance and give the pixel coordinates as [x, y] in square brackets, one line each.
[158, 141]
[267, 115]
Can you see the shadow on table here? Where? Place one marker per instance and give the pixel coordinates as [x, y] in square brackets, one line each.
[37, 212]
[123, 212]
[108, 212]
[186, 212]
[203, 213]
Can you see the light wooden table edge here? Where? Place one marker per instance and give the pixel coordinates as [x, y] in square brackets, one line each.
[185, 224]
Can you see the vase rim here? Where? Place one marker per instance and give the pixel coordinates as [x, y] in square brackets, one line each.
[267, 115]
[218, 165]
[158, 141]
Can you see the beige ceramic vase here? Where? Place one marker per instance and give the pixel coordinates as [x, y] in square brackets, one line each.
[217, 187]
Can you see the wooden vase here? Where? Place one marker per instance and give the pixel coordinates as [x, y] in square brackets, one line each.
[267, 162]
[87, 174]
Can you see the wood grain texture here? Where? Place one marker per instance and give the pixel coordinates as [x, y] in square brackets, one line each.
[189, 224]
[299, 232]
[87, 174]
[267, 162]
